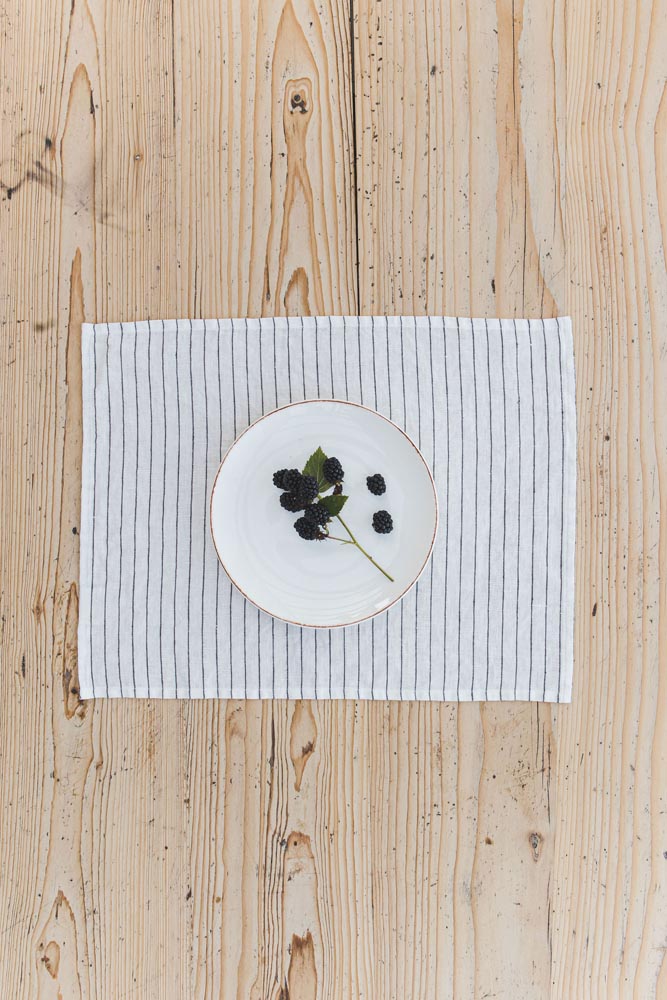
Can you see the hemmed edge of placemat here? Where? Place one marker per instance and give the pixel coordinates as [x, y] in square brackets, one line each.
[551, 697]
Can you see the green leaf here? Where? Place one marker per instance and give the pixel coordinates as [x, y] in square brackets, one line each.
[314, 467]
[334, 503]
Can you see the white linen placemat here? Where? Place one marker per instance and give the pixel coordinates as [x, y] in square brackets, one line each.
[490, 403]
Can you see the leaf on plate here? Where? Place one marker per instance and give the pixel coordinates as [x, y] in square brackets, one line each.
[314, 467]
[334, 503]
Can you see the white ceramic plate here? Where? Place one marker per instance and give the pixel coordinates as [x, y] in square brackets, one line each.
[323, 584]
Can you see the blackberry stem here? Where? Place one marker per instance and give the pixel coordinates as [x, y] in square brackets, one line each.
[362, 550]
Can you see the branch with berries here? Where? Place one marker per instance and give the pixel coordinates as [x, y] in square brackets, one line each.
[318, 492]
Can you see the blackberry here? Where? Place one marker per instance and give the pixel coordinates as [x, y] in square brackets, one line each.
[291, 502]
[376, 484]
[318, 514]
[307, 489]
[278, 478]
[306, 528]
[382, 522]
[333, 470]
[292, 480]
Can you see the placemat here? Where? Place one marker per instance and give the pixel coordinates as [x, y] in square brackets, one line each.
[490, 403]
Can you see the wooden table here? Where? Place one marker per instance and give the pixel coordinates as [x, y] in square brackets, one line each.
[221, 158]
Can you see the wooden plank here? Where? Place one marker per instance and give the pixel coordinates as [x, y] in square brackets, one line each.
[460, 159]
[610, 873]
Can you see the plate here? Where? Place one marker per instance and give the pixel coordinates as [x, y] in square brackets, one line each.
[323, 584]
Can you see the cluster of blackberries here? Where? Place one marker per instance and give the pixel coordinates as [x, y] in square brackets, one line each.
[300, 493]
[299, 490]
[382, 521]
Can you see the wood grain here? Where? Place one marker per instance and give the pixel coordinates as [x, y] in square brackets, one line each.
[218, 158]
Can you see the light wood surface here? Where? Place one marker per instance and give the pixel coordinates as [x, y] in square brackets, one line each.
[459, 158]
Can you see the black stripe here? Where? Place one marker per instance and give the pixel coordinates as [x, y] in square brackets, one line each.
[303, 377]
[359, 664]
[331, 357]
[177, 499]
[419, 406]
[192, 487]
[289, 382]
[386, 326]
[317, 355]
[546, 586]
[372, 655]
[386, 631]
[405, 411]
[259, 616]
[518, 513]
[235, 429]
[361, 388]
[273, 657]
[375, 384]
[164, 490]
[502, 607]
[205, 518]
[287, 660]
[122, 491]
[416, 632]
[261, 366]
[401, 647]
[346, 397]
[136, 491]
[245, 648]
[347, 391]
[419, 441]
[488, 582]
[289, 359]
[532, 556]
[245, 603]
[273, 621]
[390, 614]
[344, 670]
[92, 546]
[106, 547]
[430, 601]
[150, 504]
[562, 502]
[231, 644]
[247, 374]
[446, 545]
[233, 370]
[218, 567]
[458, 679]
[275, 366]
[474, 571]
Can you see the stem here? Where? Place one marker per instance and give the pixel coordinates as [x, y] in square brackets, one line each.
[362, 550]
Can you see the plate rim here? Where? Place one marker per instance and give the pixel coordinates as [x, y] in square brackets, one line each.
[359, 406]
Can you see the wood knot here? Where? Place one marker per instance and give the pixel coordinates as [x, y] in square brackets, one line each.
[297, 846]
[298, 108]
[51, 958]
[299, 103]
[303, 738]
[535, 840]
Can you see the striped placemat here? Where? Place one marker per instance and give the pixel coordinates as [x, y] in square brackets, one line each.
[490, 403]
